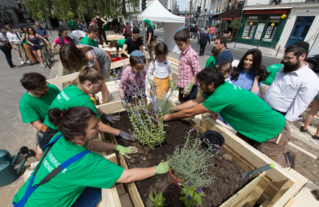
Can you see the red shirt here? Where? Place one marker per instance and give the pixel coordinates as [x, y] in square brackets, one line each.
[188, 67]
[212, 30]
[128, 30]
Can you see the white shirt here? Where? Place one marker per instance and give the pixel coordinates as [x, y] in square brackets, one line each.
[2, 39]
[13, 38]
[160, 69]
[61, 23]
[292, 92]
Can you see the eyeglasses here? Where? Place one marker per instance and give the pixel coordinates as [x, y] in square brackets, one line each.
[43, 88]
[287, 58]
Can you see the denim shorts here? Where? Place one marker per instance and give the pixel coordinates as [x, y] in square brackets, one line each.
[317, 97]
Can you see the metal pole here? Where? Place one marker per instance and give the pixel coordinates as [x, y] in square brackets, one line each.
[277, 51]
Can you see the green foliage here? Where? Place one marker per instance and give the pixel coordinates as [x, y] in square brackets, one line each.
[166, 106]
[70, 15]
[191, 163]
[156, 200]
[236, 24]
[217, 25]
[192, 194]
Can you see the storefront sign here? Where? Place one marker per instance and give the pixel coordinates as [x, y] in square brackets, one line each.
[283, 16]
[226, 18]
[259, 31]
[273, 11]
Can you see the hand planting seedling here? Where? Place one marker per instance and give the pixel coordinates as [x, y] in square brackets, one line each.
[191, 163]
[192, 194]
[126, 150]
[156, 200]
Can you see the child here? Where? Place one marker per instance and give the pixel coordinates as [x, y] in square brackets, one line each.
[212, 59]
[118, 44]
[225, 67]
[133, 78]
[162, 70]
[188, 66]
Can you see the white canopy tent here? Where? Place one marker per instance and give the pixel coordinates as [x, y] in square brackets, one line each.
[156, 12]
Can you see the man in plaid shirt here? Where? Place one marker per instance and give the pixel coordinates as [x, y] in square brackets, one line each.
[188, 66]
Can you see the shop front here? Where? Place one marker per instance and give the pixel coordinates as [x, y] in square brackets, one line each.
[226, 18]
[263, 27]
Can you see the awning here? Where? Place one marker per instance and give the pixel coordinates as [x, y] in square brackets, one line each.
[229, 15]
[18, 11]
[268, 11]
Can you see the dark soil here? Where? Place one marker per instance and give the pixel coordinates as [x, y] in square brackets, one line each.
[225, 170]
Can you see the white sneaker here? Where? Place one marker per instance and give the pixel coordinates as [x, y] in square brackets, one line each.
[22, 62]
[29, 61]
[33, 165]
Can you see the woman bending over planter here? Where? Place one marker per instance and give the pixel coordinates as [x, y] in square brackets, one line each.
[89, 81]
[249, 72]
[74, 58]
[71, 172]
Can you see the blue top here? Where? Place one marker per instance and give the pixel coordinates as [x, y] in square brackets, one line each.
[246, 80]
[42, 32]
[34, 40]
[225, 55]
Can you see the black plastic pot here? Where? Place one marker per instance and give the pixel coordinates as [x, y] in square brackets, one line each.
[211, 137]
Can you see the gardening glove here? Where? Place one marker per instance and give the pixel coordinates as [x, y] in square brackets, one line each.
[152, 84]
[110, 118]
[126, 150]
[187, 91]
[124, 103]
[127, 136]
[171, 85]
[162, 168]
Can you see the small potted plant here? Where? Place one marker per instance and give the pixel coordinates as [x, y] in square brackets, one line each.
[192, 194]
[156, 200]
[189, 162]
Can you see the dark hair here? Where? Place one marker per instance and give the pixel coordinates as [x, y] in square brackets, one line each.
[126, 23]
[72, 121]
[225, 67]
[257, 65]
[114, 43]
[8, 26]
[161, 49]
[97, 13]
[89, 74]
[92, 29]
[296, 50]
[182, 35]
[222, 40]
[214, 51]
[135, 60]
[211, 75]
[22, 29]
[73, 58]
[60, 32]
[32, 80]
[34, 32]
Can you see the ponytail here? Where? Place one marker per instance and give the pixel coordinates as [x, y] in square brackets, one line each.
[72, 121]
[89, 74]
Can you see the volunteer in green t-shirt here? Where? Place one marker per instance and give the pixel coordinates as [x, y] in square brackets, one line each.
[212, 59]
[90, 38]
[35, 103]
[273, 69]
[80, 183]
[253, 119]
[118, 44]
[72, 24]
[90, 81]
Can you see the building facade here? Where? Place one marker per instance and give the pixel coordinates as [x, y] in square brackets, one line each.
[8, 11]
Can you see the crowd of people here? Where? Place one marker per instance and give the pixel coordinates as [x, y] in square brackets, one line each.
[257, 102]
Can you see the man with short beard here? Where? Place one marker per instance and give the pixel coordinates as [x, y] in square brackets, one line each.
[295, 85]
[255, 122]
[35, 103]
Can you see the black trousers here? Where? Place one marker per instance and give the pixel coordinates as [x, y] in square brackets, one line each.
[202, 50]
[102, 33]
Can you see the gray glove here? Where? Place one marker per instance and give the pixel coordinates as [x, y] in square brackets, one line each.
[110, 118]
[124, 103]
[127, 136]
[186, 92]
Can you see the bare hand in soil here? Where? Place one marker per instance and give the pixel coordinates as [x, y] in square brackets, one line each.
[166, 117]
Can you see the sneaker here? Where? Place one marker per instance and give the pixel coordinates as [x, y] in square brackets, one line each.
[303, 129]
[29, 62]
[22, 62]
[315, 137]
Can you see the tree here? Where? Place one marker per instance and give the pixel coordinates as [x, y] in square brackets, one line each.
[236, 24]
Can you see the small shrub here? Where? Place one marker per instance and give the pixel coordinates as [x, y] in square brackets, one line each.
[192, 194]
[156, 200]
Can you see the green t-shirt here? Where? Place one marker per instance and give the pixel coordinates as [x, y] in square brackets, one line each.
[25, 38]
[92, 170]
[71, 96]
[33, 108]
[106, 27]
[210, 62]
[121, 43]
[86, 41]
[72, 24]
[245, 112]
[273, 69]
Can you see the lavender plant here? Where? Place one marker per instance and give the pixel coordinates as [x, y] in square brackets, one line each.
[190, 163]
[192, 194]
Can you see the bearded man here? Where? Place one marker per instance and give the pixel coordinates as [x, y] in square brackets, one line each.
[295, 85]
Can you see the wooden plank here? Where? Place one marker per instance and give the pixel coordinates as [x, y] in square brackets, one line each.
[120, 189]
[112, 107]
[302, 150]
[305, 198]
[257, 192]
[115, 37]
[290, 202]
[125, 200]
[239, 198]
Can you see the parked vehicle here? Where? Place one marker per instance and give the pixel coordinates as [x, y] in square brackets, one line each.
[313, 62]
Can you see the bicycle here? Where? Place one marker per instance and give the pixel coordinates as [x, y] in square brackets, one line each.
[46, 56]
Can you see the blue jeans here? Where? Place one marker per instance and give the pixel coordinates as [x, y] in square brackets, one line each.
[88, 198]
[192, 34]
[211, 36]
[7, 53]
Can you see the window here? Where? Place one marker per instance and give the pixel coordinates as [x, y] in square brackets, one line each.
[294, 33]
[304, 31]
[309, 20]
[271, 28]
[300, 19]
[250, 27]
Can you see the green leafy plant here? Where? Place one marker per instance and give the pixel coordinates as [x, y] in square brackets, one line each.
[217, 25]
[236, 24]
[156, 200]
[192, 194]
[191, 163]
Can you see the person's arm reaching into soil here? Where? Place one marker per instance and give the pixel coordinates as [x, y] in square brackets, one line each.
[199, 109]
[189, 104]
[99, 146]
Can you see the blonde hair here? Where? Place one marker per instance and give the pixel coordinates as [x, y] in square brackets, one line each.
[89, 74]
